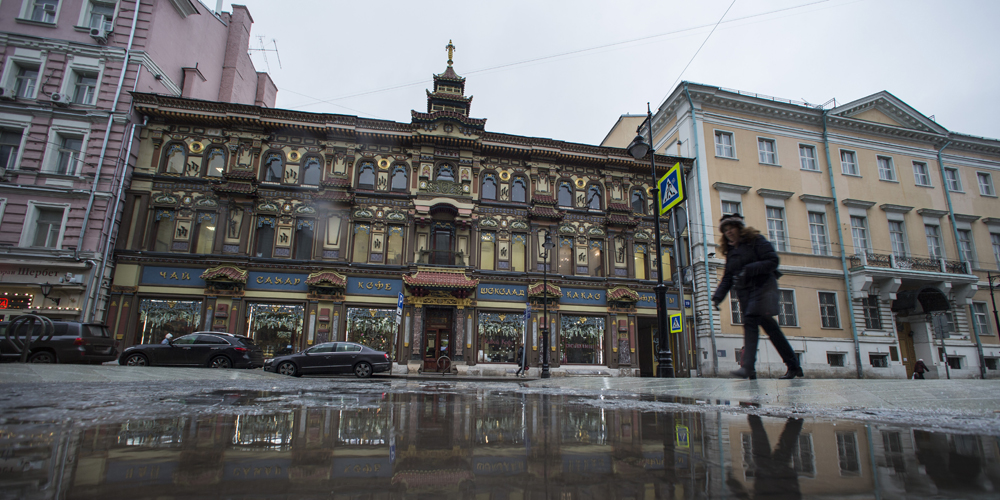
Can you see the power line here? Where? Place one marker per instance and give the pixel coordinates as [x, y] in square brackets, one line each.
[696, 53]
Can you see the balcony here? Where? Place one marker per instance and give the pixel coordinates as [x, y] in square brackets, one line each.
[890, 261]
[889, 273]
[442, 258]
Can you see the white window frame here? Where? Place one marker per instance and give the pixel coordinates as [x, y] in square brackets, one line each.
[967, 246]
[31, 221]
[864, 238]
[849, 167]
[985, 181]
[808, 163]
[77, 66]
[795, 313]
[903, 238]
[823, 307]
[995, 242]
[3, 209]
[86, 13]
[935, 245]
[730, 204]
[952, 183]
[23, 57]
[778, 237]
[28, 7]
[918, 175]
[763, 155]
[886, 169]
[731, 146]
[15, 162]
[981, 319]
[57, 132]
[818, 235]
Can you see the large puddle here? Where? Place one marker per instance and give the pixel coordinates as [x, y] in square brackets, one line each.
[437, 442]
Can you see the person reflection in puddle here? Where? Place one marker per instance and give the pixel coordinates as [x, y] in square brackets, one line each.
[774, 476]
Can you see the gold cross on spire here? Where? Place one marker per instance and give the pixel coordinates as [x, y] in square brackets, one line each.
[451, 50]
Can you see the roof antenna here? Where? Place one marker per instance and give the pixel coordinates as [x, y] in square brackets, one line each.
[263, 50]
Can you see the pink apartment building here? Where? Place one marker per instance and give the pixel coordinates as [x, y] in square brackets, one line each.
[67, 129]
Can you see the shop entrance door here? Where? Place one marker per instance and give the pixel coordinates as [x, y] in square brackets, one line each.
[438, 352]
[906, 346]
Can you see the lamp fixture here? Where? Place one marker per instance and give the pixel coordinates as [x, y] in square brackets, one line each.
[46, 290]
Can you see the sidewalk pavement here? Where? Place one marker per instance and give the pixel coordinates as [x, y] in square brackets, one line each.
[977, 397]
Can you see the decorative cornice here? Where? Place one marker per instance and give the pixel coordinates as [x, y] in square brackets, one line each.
[773, 193]
[966, 218]
[225, 273]
[812, 198]
[900, 209]
[930, 212]
[733, 188]
[993, 221]
[858, 203]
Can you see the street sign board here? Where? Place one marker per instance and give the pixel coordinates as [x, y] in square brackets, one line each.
[675, 323]
[683, 436]
[671, 187]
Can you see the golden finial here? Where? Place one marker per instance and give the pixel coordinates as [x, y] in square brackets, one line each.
[451, 50]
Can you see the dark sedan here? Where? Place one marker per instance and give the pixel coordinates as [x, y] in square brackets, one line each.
[331, 357]
[211, 349]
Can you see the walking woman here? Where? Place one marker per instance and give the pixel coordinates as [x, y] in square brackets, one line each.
[752, 274]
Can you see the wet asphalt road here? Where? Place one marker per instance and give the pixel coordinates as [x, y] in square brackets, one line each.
[107, 431]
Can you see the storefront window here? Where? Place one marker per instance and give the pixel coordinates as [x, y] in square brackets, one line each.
[274, 326]
[499, 336]
[364, 427]
[159, 317]
[374, 328]
[581, 340]
[269, 431]
[586, 426]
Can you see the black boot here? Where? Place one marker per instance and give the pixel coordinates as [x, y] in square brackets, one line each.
[744, 373]
[792, 373]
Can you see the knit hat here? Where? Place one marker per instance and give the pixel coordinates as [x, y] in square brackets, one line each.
[727, 219]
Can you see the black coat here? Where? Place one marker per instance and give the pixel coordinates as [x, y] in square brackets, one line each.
[757, 292]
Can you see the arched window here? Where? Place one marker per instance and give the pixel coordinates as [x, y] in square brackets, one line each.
[366, 176]
[566, 255]
[310, 171]
[399, 179]
[639, 251]
[638, 202]
[594, 197]
[394, 248]
[304, 237]
[361, 236]
[519, 248]
[488, 250]
[565, 195]
[489, 187]
[518, 191]
[445, 172]
[274, 165]
[174, 159]
[265, 236]
[215, 162]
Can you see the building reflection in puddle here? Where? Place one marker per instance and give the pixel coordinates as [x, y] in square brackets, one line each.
[490, 445]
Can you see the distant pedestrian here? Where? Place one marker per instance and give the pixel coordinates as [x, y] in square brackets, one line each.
[166, 340]
[519, 359]
[919, 369]
[752, 274]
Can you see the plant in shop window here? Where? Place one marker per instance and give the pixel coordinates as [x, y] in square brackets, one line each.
[371, 327]
[500, 334]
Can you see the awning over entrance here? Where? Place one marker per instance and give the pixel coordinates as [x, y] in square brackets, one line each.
[925, 300]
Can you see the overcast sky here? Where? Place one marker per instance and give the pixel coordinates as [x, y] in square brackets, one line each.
[568, 69]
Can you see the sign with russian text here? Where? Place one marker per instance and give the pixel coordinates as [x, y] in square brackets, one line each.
[361, 467]
[499, 466]
[584, 296]
[374, 286]
[174, 276]
[648, 299]
[513, 293]
[284, 282]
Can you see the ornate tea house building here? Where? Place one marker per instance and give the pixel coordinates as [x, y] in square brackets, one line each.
[297, 228]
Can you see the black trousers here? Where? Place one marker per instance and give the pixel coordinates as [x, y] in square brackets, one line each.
[751, 336]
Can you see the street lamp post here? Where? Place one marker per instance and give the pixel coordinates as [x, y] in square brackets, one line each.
[547, 246]
[638, 149]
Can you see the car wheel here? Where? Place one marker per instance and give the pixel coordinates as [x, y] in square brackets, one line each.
[220, 362]
[42, 357]
[288, 368]
[136, 360]
[363, 370]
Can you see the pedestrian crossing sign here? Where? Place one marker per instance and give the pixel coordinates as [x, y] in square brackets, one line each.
[675, 323]
[671, 187]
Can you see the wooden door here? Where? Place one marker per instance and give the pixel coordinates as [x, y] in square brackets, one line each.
[906, 346]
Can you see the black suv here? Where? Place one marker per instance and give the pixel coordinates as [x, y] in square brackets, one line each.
[211, 349]
[71, 342]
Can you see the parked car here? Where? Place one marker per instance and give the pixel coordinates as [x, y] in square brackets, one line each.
[211, 349]
[331, 357]
[71, 342]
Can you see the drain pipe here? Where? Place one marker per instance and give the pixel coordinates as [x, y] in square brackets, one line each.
[961, 257]
[104, 144]
[704, 231]
[843, 257]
